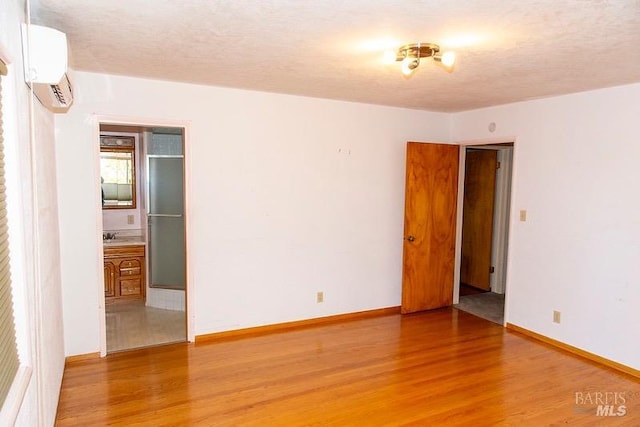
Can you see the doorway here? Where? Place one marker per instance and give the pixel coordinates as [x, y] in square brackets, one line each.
[145, 240]
[485, 230]
[434, 204]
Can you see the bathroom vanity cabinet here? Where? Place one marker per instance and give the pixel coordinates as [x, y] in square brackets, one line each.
[124, 272]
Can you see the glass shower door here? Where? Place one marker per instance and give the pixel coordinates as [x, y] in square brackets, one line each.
[166, 233]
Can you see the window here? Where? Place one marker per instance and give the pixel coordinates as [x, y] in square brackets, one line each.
[9, 361]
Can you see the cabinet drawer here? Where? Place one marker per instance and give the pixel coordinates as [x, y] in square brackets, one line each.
[130, 263]
[130, 271]
[130, 287]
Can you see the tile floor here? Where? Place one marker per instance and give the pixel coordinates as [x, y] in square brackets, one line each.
[488, 305]
[133, 325]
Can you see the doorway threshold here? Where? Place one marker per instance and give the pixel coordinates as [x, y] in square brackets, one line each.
[487, 305]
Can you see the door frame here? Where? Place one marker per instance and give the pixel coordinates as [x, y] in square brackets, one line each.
[97, 120]
[505, 222]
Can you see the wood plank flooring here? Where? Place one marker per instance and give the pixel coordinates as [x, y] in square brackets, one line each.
[444, 367]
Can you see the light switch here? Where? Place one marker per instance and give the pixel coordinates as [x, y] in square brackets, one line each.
[129, 219]
[523, 215]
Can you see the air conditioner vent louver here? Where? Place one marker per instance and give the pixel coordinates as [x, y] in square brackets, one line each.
[57, 98]
[57, 93]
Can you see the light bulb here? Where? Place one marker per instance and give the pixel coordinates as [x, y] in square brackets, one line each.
[409, 64]
[448, 59]
[389, 57]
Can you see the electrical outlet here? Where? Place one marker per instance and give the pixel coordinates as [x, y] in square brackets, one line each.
[556, 316]
[130, 219]
[523, 215]
[320, 297]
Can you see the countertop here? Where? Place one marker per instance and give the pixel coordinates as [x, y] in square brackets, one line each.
[124, 241]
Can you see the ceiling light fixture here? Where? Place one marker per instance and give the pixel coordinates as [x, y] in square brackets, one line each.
[410, 54]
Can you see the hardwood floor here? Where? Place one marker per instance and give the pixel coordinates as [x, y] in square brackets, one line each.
[444, 367]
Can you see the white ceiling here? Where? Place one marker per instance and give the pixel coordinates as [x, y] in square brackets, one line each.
[508, 50]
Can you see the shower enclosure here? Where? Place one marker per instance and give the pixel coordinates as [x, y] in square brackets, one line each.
[165, 210]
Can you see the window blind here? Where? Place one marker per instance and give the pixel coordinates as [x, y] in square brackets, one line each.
[8, 351]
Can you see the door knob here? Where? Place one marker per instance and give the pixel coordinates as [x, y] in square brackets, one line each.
[411, 238]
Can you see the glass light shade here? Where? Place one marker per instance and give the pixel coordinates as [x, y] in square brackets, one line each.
[389, 57]
[408, 65]
[448, 59]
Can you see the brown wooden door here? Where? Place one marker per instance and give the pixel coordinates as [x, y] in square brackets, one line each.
[477, 224]
[429, 226]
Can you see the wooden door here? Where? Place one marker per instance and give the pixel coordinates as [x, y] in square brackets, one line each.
[429, 226]
[477, 224]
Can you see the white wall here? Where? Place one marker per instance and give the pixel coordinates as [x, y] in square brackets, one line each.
[48, 311]
[576, 173]
[33, 229]
[287, 196]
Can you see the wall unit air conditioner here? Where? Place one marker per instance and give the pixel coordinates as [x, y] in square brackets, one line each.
[45, 66]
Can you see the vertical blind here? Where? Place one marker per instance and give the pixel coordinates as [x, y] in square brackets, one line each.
[8, 352]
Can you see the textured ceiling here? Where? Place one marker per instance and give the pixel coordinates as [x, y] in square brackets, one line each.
[508, 50]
